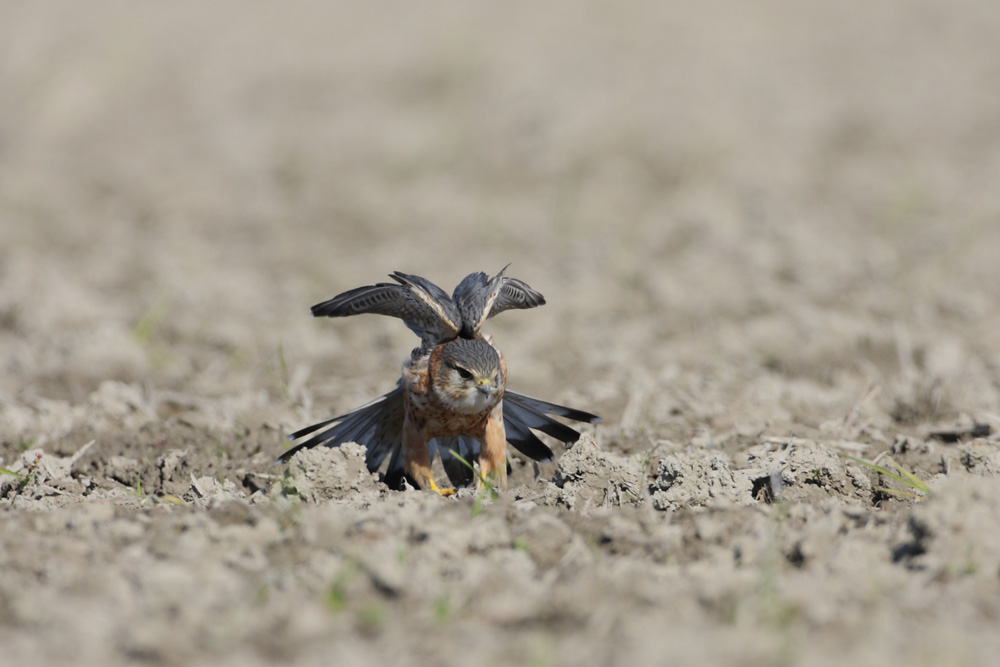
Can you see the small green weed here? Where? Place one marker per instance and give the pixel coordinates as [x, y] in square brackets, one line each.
[371, 618]
[487, 488]
[903, 476]
[145, 329]
[442, 609]
[336, 595]
[151, 320]
[24, 479]
[281, 377]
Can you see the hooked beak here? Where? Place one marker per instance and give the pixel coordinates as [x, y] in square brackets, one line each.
[484, 386]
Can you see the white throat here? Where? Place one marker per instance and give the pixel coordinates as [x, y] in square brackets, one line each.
[471, 401]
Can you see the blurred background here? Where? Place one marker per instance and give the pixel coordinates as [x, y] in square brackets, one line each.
[743, 215]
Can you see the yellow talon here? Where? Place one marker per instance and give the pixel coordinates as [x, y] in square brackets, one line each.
[443, 492]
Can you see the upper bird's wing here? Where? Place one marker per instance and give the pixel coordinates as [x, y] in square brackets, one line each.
[479, 297]
[424, 307]
[474, 297]
[515, 294]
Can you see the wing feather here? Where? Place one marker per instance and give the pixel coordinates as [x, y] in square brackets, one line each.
[523, 440]
[479, 298]
[544, 407]
[516, 295]
[475, 297]
[425, 308]
[522, 413]
[431, 299]
[377, 426]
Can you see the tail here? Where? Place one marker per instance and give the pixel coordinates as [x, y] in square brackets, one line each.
[378, 426]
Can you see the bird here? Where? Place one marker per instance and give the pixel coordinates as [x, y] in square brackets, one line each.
[452, 399]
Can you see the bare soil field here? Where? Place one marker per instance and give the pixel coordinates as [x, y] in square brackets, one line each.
[769, 237]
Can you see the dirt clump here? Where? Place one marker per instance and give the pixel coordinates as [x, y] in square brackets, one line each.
[803, 470]
[589, 477]
[328, 473]
[691, 479]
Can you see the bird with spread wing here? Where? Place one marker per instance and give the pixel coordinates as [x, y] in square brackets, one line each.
[452, 400]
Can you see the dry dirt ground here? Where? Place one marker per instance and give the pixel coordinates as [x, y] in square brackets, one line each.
[769, 235]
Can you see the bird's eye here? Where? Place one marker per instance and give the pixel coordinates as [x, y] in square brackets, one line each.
[464, 374]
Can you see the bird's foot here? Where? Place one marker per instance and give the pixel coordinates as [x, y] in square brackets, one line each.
[443, 492]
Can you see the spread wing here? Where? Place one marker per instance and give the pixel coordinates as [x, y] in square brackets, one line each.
[523, 413]
[479, 297]
[474, 297]
[425, 308]
[515, 295]
[378, 426]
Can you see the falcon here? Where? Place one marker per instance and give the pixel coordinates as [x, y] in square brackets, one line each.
[452, 399]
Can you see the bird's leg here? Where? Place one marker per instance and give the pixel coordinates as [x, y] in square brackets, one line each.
[417, 463]
[493, 452]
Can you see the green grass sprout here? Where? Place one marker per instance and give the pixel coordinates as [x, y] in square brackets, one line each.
[903, 476]
[24, 479]
[442, 609]
[488, 488]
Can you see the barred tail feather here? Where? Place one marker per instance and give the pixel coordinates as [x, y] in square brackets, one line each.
[544, 407]
[378, 426]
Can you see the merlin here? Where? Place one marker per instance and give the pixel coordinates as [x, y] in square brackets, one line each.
[452, 400]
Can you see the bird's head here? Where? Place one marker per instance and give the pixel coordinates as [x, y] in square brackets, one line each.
[468, 376]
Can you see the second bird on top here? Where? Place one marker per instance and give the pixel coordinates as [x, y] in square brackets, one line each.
[452, 396]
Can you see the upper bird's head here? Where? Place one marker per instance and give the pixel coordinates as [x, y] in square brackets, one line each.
[467, 375]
